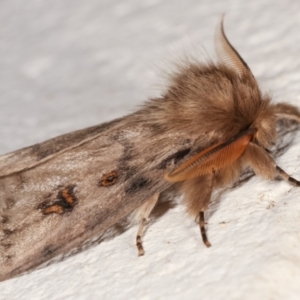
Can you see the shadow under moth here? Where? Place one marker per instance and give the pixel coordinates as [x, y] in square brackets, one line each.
[211, 123]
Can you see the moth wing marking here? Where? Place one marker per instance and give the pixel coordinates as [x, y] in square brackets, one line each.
[24, 194]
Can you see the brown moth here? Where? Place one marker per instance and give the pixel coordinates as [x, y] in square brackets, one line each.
[59, 197]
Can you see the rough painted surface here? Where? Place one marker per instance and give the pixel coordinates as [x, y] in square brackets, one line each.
[66, 65]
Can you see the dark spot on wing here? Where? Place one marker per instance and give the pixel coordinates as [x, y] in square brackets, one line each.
[65, 202]
[129, 151]
[128, 171]
[4, 219]
[8, 231]
[49, 250]
[9, 203]
[137, 184]
[109, 178]
[175, 158]
[6, 245]
[47, 152]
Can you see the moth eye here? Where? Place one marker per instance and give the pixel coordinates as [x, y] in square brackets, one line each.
[109, 179]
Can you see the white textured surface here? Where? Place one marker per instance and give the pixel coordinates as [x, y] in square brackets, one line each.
[70, 64]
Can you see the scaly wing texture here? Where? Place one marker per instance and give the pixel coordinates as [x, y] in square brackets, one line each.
[30, 156]
[66, 202]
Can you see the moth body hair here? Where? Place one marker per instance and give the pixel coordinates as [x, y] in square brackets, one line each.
[61, 196]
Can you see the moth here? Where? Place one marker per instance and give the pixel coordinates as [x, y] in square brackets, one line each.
[58, 197]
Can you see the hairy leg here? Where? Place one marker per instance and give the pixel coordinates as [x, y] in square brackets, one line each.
[197, 194]
[264, 165]
[141, 215]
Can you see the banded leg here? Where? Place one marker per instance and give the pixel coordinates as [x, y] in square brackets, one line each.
[203, 230]
[264, 165]
[287, 177]
[139, 243]
[141, 215]
[206, 201]
[197, 194]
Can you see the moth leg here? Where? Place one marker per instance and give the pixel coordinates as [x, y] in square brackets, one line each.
[206, 200]
[197, 194]
[264, 165]
[203, 230]
[285, 111]
[141, 215]
[287, 177]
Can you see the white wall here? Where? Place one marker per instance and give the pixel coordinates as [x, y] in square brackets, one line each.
[65, 65]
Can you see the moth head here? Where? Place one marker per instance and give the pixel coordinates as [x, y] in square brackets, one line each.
[265, 125]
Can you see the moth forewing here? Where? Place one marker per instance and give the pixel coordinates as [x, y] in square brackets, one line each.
[65, 201]
[60, 196]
